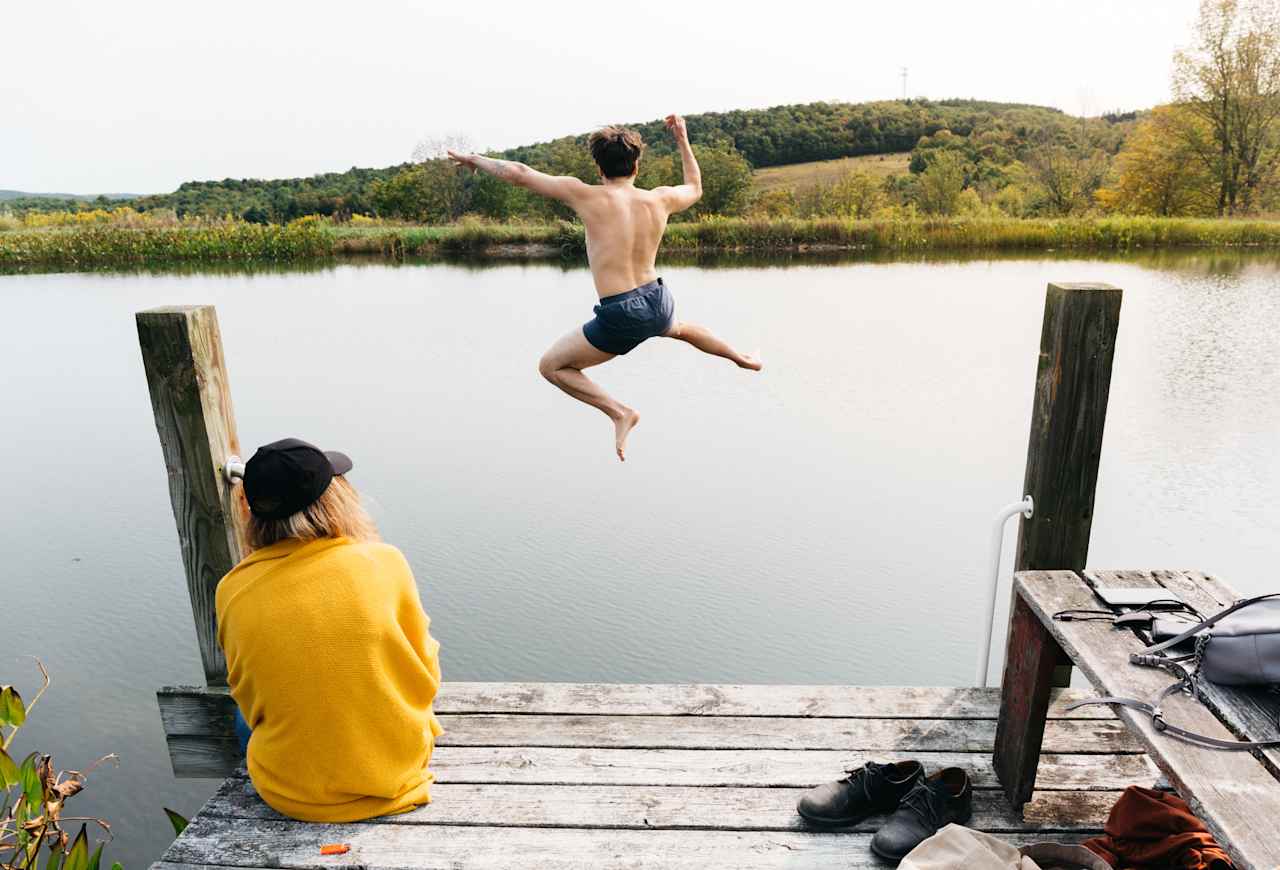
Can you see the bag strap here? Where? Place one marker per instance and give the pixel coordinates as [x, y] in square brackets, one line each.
[1135, 658]
[1150, 657]
[1159, 723]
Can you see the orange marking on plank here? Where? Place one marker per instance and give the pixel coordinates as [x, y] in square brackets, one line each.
[335, 849]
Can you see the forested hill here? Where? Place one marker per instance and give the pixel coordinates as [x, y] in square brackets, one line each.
[823, 131]
[765, 137]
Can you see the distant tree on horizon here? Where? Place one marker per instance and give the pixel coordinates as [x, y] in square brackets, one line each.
[1230, 79]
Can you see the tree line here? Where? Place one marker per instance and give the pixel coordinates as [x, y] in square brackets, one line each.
[1214, 150]
[729, 145]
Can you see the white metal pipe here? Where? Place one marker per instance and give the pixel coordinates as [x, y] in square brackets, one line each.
[1025, 507]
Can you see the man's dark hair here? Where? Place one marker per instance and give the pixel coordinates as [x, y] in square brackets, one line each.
[616, 150]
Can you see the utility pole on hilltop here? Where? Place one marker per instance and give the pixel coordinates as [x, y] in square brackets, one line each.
[904, 82]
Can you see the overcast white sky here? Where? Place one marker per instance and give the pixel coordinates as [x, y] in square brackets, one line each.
[138, 96]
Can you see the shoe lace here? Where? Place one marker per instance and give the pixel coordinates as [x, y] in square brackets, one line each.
[860, 777]
[922, 800]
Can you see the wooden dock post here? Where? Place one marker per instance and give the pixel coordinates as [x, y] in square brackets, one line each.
[187, 377]
[1073, 382]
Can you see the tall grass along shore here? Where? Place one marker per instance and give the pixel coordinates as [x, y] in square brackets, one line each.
[93, 247]
[104, 246]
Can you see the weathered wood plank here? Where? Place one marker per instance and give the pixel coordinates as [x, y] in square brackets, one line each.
[705, 732]
[260, 843]
[763, 767]
[1031, 655]
[193, 757]
[732, 808]
[1232, 792]
[195, 710]
[754, 732]
[219, 756]
[691, 699]
[191, 400]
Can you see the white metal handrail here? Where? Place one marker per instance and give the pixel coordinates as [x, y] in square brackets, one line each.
[1025, 507]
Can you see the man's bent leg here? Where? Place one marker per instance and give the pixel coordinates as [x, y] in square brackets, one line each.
[562, 365]
[708, 342]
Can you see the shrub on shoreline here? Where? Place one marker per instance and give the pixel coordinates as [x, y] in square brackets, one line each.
[1108, 233]
[310, 239]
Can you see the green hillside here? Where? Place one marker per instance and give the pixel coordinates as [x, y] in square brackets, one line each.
[800, 175]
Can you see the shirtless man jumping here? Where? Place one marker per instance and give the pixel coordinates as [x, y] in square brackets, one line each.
[624, 226]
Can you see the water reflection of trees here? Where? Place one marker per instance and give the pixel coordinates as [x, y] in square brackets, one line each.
[1195, 261]
[1206, 261]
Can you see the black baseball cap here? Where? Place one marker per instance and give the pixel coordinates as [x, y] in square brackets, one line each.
[285, 476]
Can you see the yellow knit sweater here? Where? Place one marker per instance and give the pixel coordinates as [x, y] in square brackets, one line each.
[332, 665]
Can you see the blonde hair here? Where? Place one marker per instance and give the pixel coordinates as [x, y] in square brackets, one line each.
[336, 514]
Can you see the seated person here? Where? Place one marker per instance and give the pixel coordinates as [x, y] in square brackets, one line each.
[328, 652]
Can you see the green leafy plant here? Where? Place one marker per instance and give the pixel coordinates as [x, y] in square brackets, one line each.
[178, 821]
[32, 798]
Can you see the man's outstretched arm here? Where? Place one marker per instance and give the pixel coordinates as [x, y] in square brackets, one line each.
[682, 196]
[561, 187]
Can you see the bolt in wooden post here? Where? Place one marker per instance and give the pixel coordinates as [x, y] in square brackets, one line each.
[1073, 382]
[187, 377]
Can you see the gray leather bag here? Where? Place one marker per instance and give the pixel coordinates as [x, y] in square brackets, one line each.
[1239, 646]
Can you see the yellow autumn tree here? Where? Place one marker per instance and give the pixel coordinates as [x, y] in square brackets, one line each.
[856, 194]
[1160, 171]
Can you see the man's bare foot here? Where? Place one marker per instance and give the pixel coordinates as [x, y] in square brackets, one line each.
[751, 361]
[622, 428]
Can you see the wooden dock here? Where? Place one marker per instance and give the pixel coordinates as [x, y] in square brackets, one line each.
[596, 775]
[561, 775]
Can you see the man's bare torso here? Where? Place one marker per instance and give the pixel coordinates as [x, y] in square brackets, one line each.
[624, 226]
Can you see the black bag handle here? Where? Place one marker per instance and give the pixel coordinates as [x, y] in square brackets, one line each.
[1135, 658]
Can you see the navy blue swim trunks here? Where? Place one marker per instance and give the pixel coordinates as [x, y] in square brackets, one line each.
[624, 320]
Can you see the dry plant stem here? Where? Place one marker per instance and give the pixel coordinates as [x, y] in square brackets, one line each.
[44, 674]
[110, 756]
[102, 823]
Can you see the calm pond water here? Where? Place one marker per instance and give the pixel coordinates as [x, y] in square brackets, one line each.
[826, 521]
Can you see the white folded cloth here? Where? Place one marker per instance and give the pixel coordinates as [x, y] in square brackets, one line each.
[956, 846]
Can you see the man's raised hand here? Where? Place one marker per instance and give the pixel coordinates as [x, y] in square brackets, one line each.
[676, 125]
[467, 160]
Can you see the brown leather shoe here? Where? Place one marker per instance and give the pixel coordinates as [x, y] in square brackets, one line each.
[945, 797]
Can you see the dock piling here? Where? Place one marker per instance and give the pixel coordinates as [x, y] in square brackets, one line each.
[1068, 416]
[190, 397]
[1073, 382]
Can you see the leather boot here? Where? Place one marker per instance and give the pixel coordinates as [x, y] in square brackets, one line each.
[870, 789]
[945, 797]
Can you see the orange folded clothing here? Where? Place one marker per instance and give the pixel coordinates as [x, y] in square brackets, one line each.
[1156, 830]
